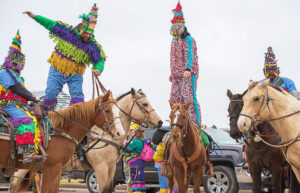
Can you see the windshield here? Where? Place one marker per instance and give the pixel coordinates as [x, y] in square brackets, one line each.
[220, 136]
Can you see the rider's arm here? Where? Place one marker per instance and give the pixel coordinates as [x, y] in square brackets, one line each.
[190, 54]
[21, 91]
[47, 23]
[99, 66]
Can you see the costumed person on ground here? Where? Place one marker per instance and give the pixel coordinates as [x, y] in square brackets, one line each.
[159, 156]
[271, 71]
[75, 49]
[14, 98]
[136, 161]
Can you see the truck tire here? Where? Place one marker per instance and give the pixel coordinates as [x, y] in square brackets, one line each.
[91, 182]
[223, 181]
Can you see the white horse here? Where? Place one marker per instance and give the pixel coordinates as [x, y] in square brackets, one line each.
[282, 110]
[134, 106]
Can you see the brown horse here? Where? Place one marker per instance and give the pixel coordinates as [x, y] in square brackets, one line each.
[99, 112]
[259, 156]
[187, 151]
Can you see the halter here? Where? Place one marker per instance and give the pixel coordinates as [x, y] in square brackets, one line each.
[145, 112]
[261, 109]
[184, 128]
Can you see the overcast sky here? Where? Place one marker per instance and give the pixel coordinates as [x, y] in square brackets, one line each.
[231, 35]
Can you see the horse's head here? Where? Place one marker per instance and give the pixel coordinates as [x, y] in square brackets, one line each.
[108, 117]
[234, 109]
[140, 110]
[255, 106]
[180, 120]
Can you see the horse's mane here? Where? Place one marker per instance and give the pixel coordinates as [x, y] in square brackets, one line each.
[278, 88]
[81, 113]
[127, 93]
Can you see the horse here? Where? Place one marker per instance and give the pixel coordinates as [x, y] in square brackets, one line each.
[259, 155]
[187, 151]
[134, 106]
[71, 125]
[264, 103]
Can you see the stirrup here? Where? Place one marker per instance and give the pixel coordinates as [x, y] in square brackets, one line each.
[31, 158]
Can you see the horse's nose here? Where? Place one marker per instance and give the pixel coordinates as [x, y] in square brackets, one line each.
[159, 123]
[118, 134]
[243, 125]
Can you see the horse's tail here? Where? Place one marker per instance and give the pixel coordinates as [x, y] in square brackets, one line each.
[294, 184]
[21, 181]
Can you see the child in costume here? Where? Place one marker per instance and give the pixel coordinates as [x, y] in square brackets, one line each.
[271, 71]
[184, 65]
[14, 97]
[75, 49]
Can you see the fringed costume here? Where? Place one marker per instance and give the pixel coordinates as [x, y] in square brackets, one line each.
[14, 97]
[71, 56]
[184, 58]
[285, 83]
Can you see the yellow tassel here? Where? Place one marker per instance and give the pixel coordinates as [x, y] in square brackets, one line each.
[2, 89]
[65, 66]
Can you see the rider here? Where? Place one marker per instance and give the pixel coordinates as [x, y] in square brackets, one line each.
[271, 71]
[184, 65]
[75, 49]
[14, 97]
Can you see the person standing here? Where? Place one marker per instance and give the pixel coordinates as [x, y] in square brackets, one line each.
[184, 65]
[76, 48]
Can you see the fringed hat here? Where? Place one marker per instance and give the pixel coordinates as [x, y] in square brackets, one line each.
[89, 21]
[133, 126]
[15, 55]
[270, 61]
[178, 14]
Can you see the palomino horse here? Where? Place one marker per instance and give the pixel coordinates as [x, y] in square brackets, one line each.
[134, 106]
[259, 155]
[101, 112]
[187, 151]
[265, 103]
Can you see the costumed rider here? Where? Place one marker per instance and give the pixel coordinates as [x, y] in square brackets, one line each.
[185, 69]
[14, 97]
[75, 49]
[271, 71]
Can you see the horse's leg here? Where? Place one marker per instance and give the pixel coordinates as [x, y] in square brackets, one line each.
[18, 183]
[51, 178]
[297, 173]
[276, 178]
[101, 172]
[111, 175]
[198, 174]
[179, 177]
[171, 183]
[294, 184]
[255, 172]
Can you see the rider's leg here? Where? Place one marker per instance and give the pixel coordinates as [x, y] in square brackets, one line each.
[27, 130]
[175, 91]
[75, 88]
[55, 83]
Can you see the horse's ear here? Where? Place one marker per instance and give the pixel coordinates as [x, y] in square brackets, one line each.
[105, 97]
[171, 104]
[229, 94]
[265, 83]
[187, 105]
[250, 83]
[132, 91]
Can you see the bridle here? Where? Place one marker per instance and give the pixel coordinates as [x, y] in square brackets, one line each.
[146, 113]
[184, 128]
[264, 104]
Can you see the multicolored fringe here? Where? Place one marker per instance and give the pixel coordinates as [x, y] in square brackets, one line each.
[62, 34]
[138, 188]
[65, 65]
[49, 104]
[38, 182]
[149, 142]
[76, 100]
